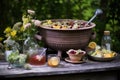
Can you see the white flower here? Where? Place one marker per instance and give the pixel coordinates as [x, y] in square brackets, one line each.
[33, 20]
[37, 23]
[27, 25]
[31, 12]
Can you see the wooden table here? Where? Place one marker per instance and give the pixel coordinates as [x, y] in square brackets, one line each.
[90, 70]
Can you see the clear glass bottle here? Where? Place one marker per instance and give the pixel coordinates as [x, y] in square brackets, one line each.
[30, 46]
[106, 40]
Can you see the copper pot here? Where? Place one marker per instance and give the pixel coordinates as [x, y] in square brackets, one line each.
[63, 40]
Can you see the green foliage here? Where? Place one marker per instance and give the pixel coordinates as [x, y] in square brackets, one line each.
[16, 58]
[13, 56]
[12, 10]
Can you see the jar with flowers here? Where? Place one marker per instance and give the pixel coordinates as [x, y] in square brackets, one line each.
[30, 46]
[12, 54]
[22, 37]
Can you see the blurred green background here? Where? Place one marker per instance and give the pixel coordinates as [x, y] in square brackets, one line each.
[11, 12]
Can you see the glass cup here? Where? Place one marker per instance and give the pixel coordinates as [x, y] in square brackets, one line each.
[53, 60]
[7, 53]
[38, 57]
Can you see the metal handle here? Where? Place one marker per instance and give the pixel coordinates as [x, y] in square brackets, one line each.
[97, 12]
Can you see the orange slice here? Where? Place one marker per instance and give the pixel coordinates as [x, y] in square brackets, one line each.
[92, 45]
[56, 27]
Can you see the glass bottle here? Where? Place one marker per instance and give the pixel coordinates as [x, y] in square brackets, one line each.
[106, 40]
[30, 46]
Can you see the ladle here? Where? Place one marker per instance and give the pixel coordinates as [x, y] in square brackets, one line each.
[97, 12]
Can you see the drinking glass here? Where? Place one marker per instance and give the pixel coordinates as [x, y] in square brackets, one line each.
[53, 60]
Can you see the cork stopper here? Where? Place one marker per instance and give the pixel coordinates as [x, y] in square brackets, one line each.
[106, 32]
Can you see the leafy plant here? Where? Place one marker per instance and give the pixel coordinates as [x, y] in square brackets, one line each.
[74, 9]
[16, 58]
[21, 30]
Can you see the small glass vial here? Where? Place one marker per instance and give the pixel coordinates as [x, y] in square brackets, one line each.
[106, 40]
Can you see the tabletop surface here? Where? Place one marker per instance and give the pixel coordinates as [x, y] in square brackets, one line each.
[63, 68]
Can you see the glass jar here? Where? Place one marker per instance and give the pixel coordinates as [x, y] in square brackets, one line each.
[36, 55]
[53, 60]
[10, 46]
[15, 59]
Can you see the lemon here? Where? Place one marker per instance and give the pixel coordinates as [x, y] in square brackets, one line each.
[92, 45]
[108, 55]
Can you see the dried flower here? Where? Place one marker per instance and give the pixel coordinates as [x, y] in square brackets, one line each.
[21, 30]
[31, 12]
[27, 25]
[36, 22]
[13, 33]
[7, 30]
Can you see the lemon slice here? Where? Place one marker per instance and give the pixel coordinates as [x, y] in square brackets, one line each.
[108, 55]
[53, 61]
[92, 45]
